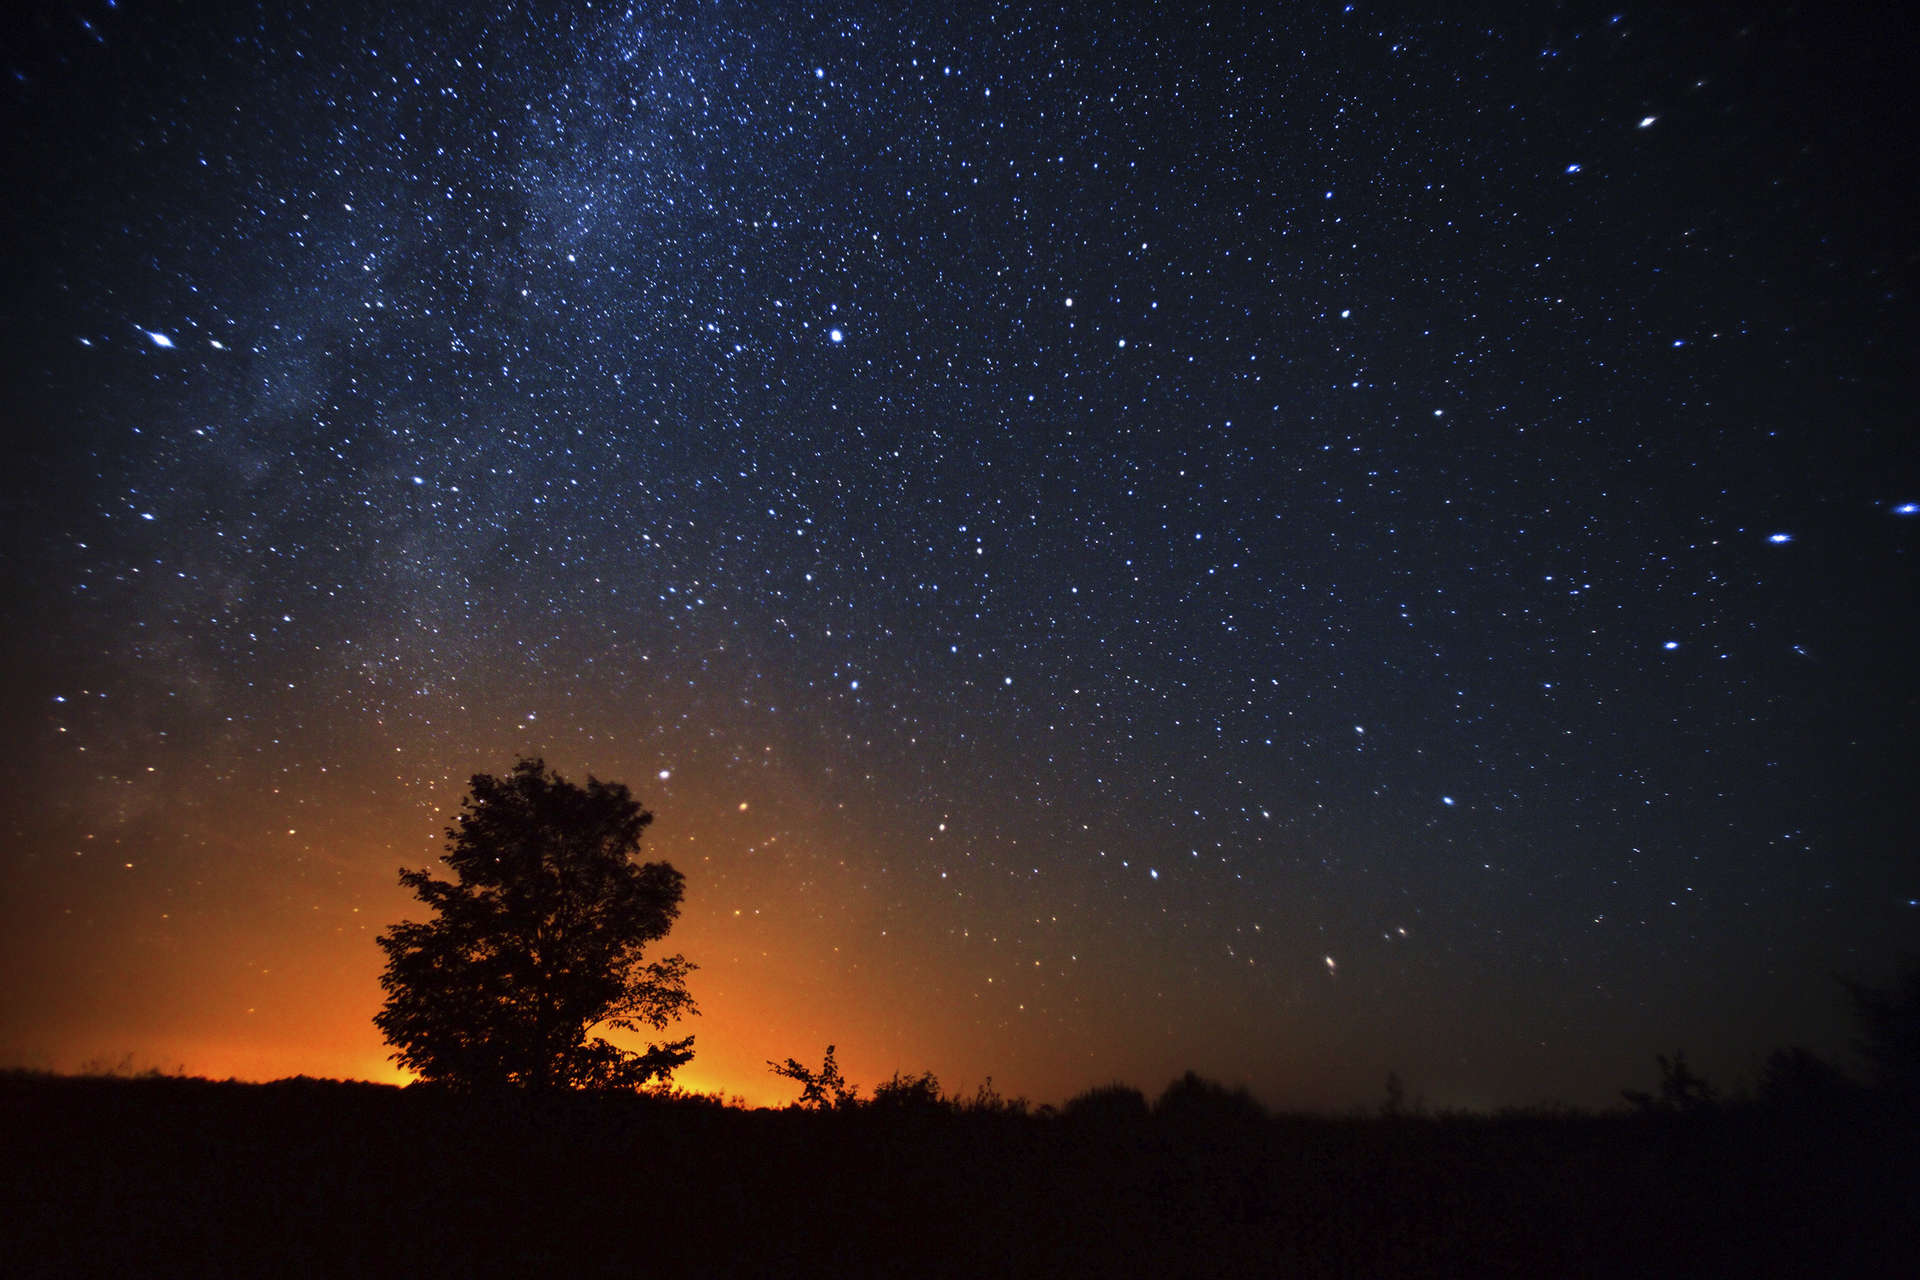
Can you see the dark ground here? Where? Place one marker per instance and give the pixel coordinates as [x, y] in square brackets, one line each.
[163, 1176]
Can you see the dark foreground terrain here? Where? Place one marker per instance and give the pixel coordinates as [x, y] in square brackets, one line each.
[159, 1176]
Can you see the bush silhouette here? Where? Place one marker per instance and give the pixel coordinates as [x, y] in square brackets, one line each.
[919, 1093]
[1195, 1102]
[822, 1090]
[987, 1101]
[1109, 1104]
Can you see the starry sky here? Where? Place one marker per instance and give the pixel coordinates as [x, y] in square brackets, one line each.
[1294, 547]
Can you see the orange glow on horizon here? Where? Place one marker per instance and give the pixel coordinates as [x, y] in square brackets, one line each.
[268, 968]
[265, 975]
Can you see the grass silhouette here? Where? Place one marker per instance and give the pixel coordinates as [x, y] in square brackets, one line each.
[165, 1175]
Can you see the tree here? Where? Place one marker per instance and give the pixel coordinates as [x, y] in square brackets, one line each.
[1396, 1100]
[1681, 1089]
[1889, 1023]
[538, 942]
[1797, 1079]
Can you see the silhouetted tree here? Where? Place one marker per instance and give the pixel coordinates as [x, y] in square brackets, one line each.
[537, 942]
[1889, 1024]
[1680, 1088]
[1395, 1103]
[822, 1090]
[1798, 1079]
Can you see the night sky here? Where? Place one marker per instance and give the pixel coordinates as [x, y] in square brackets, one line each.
[1294, 548]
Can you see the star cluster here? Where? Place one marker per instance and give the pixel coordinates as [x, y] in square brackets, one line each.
[1289, 547]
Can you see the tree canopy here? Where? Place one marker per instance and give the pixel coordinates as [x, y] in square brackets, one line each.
[537, 942]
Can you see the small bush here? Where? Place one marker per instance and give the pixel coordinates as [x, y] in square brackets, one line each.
[1109, 1104]
[1194, 1100]
[910, 1093]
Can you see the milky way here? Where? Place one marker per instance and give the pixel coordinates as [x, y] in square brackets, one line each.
[1293, 548]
